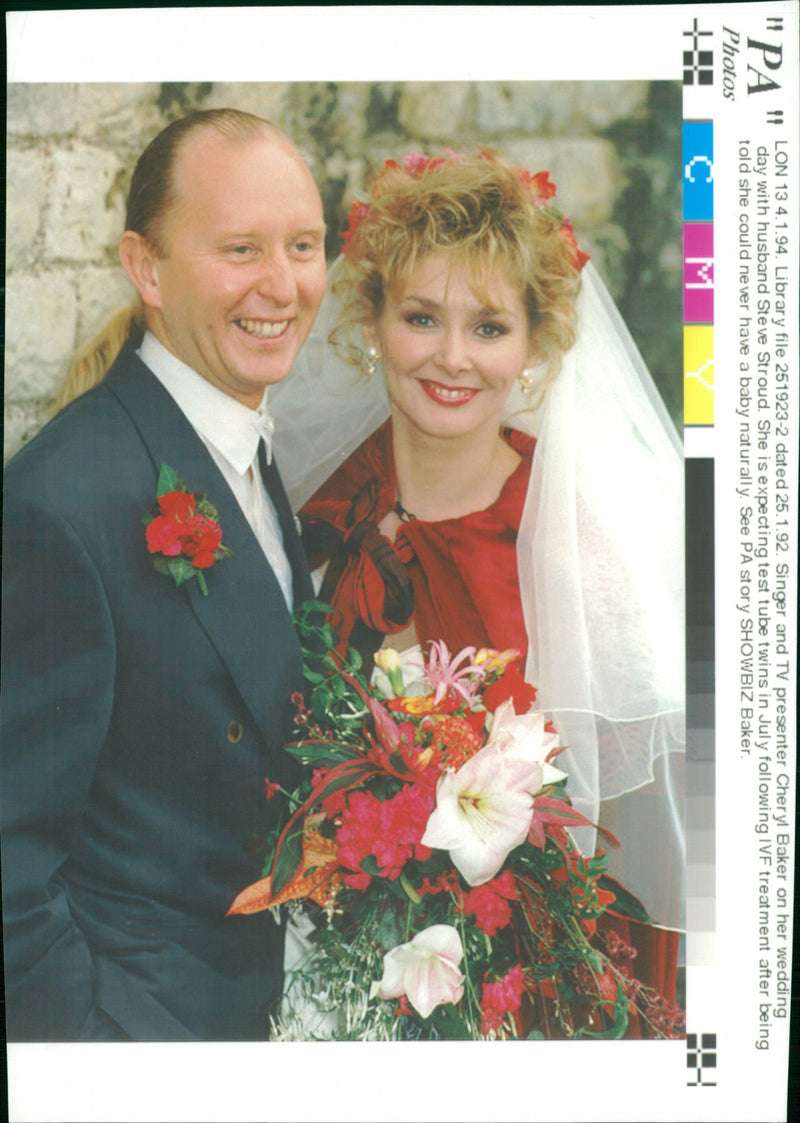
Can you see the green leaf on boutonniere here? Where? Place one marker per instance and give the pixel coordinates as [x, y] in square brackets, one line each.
[168, 480]
[181, 570]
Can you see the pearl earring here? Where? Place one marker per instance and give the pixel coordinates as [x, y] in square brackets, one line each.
[373, 357]
[527, 380]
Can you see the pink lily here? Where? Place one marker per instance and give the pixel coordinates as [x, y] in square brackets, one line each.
[444, 672]
[524, 737]
[483, 811]
[425, 970]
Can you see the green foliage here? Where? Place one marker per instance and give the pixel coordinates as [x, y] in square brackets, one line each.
[336, 699]
[168, 480]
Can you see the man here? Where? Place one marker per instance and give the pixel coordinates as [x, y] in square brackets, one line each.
[142, 716]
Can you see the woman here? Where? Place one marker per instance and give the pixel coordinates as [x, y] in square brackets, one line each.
[462, 279]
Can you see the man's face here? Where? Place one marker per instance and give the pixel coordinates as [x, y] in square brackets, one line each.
[243, 271]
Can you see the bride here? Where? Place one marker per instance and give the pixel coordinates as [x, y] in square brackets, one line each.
[510, 479]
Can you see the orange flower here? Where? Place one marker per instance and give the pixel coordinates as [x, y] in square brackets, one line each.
[418, 705]
[456, 738]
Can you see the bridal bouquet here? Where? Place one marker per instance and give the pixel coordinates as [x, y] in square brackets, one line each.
[429, 837]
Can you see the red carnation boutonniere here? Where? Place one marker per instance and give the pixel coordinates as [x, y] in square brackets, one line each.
[184, 530]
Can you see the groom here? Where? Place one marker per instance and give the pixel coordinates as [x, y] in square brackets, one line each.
[141, 717]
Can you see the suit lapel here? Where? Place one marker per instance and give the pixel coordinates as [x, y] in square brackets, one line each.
[303, 589]
[244, 615]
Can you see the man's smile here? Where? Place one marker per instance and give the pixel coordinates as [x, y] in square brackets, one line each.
[263, 329]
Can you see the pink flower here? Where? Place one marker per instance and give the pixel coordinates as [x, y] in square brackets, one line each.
[501, 998]
[389, 830]
[403, 819]
[358, 834]
[483, 811]
[489, 903]
[425, 970]
[526, 737]
[444, 672]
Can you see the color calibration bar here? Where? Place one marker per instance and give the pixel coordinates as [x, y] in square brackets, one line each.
[698, 273]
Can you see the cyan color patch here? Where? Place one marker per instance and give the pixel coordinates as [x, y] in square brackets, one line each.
[698, 171]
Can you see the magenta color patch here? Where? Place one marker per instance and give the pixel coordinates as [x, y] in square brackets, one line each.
[698, 273]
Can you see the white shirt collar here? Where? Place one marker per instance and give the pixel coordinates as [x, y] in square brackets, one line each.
[232, 427]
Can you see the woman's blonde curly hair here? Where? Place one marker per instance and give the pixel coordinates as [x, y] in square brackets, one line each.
[482, 212]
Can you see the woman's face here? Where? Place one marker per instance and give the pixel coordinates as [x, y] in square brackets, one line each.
[449, 357]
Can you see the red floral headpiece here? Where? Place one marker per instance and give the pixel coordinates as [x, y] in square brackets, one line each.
[538, 188]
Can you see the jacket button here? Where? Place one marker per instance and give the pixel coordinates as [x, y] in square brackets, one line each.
[234, 732]
[255, 844]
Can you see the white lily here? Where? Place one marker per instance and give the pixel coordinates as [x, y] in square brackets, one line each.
[523, 737]
[425, 970]
[483, 811]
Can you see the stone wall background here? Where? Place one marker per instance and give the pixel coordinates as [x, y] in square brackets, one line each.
[613, 149]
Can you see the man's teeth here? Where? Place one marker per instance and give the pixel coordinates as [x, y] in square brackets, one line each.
[262, 328]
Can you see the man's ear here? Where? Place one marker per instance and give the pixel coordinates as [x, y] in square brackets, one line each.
[141, 264]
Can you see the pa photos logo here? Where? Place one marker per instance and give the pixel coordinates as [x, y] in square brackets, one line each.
[760, 62]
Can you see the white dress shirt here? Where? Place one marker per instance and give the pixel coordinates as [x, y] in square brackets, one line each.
[231, 432]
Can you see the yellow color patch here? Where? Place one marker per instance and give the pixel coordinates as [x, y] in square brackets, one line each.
[698, 374]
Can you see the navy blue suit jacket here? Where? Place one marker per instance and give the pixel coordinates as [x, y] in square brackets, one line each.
[139, 723]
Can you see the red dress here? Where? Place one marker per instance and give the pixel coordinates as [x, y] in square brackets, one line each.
[458, 577]
[459, 580]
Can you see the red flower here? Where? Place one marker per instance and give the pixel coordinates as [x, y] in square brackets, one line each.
[358, 212]
[164, 537]
[183, 527]
[539, 185]
[568, 233]
[358, 834]
[444, 883]
[456, 739]
[270, 789]
[415, 163]
[390, 831]
[202, 540]
[489, 903]
[359, 881]
[501, 998]
[177, 505]
[511, 685]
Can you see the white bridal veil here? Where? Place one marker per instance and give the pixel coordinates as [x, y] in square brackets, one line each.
[601, 567]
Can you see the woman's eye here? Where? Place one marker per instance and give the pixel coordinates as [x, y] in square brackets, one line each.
[241, 250]
[491, 331]
[419, 319]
